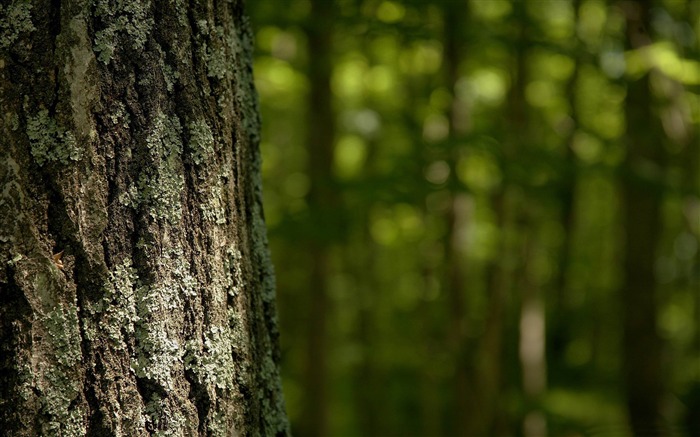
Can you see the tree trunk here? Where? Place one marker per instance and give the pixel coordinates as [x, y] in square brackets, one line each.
[137, 289]
[641, 187]
[456, 218]
[561, 313]
[322, 206]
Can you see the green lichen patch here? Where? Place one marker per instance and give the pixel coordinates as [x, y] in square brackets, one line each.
[170, 75]
[62, 326]
[159, 309]
[214, 53]
[163, 419]
[116, 310]
[127, 22]
[119, 115]
[261, 249]
[13, 121]
[213, 365]
[130, 197]
[50, 142]
[201, 141]
[60, 386]
[158, 348]
[242, 47]
[218, 426]
[213, 207]
[15, 19]
[232, 266]
[160, 187]
[159, 351]
[217, 66]
[271, 400]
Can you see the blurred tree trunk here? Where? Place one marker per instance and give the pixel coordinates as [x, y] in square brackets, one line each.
[560, 316]
[532, 336]
[321, 202]
[502, 271]
[499, 281]
[455, 19]
[371, 403]
[679, 128]
[531, 322]
[691, 205]
[676, 116]
[642, 195]
[137, 290]
[368, 391]
[433, 345]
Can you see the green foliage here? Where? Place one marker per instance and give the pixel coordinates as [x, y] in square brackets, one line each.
[484, 158]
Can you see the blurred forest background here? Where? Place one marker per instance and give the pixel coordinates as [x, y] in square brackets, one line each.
[484, 214]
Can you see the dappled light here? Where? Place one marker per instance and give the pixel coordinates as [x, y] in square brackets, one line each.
[484, 214]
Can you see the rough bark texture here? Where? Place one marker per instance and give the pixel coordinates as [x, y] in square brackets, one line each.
[136, 290]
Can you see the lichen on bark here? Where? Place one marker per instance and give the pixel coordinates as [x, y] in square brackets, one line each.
[49, 142]
[15, 19]
[139, 295]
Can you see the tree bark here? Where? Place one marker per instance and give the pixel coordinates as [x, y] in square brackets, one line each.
[138, 296]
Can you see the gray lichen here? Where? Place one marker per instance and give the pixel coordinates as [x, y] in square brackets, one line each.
[170, 75]
[124, 18]
[60, 386]
[201, 143]
[269, 392]
[272, 402]
[117, 307]
[242, 48]
[50, 142]
[218, 427]
[213, 366]
[165, 420]
[130, 197]
[119, 115]
[213, 207]
[158, 348]
[232, 263]
[158, 351]
[214, 53]
[160, 188]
